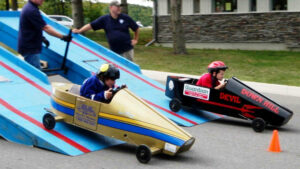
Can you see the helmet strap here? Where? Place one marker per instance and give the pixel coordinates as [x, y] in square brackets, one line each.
[213, 80]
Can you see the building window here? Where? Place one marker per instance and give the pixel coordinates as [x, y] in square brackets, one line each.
[169, 6]
[252, 5]
[225, 5]
[278, 5]
[196, 6]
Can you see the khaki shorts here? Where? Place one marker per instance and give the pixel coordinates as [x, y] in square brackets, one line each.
[128, 55]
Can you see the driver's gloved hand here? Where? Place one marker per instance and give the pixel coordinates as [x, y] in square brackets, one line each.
[46, 42]
[67, 38]
[108, 94]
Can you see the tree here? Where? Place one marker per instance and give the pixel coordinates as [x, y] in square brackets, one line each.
[14, 5]
[7, 4]
[92, 11]
[77, 13]
[124, 5]
[177, 29]
[57, 7]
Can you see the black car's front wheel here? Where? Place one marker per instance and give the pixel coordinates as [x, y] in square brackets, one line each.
[258, 124]
[143, 154]
[175, 105]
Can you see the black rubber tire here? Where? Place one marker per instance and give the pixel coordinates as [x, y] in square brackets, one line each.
[258, 124]
[175, 105]
[143, 154]
[49, 121]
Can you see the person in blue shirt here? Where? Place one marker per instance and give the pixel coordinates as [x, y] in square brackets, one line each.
[99, 87]
[116, 26]
[31, 28]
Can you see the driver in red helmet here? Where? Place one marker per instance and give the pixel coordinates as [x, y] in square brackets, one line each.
[216, 72]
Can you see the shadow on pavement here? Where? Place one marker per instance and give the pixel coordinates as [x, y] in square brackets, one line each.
[159, 158]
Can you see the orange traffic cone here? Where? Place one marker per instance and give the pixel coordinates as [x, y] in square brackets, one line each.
[274, 144]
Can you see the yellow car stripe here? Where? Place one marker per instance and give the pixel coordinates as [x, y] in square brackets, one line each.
[142, 124]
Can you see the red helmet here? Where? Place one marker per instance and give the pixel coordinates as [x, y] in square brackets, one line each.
[216, 65]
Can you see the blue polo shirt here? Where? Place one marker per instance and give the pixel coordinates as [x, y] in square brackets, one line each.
[30, 30]
[117, 31]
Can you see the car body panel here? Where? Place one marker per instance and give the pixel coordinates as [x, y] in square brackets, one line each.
[235, 100]
[126, 118]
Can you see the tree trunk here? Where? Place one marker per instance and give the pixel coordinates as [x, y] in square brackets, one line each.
[155, 20]
[14, 5]
[77, 13]
[7, 5]
[124, 6]
[177, 29]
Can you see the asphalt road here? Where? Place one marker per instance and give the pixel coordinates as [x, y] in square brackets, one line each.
[224, 143]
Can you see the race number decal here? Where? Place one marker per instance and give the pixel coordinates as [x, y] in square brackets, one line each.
[196, 92]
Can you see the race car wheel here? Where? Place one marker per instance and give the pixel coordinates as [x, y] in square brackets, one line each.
[49, 121]
[143, 154]
[175, 105]
[258, 124]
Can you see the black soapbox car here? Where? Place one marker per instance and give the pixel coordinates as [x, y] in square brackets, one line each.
[235, 100]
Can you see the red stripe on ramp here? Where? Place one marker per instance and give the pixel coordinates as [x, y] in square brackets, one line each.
[25, 78]
[62, 137]
[40, 125]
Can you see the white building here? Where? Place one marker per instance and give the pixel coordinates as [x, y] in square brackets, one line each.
[235, 24]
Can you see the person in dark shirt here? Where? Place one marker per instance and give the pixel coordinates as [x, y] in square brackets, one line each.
[31, 33]
[99, 87]
[116, 26]
[216, 71]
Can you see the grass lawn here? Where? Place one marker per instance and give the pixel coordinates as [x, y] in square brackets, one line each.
[259, 66]
[99, 36]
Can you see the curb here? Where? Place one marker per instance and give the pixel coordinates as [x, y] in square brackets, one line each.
[260, 87]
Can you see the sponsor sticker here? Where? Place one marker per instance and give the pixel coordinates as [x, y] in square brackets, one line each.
[196, 92]
[170, 147]
[86, 114]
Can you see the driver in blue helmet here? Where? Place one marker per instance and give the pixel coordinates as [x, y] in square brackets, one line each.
[99, 87]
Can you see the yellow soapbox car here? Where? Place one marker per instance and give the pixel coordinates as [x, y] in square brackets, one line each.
[126, 117]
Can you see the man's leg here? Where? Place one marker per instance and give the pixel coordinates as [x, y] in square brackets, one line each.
[128, 55]
[34, 60]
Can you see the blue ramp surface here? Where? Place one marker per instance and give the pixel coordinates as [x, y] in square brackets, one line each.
[24, 93]
[86, 56]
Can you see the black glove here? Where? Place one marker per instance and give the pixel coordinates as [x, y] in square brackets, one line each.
[46, 42]
[67, 38]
